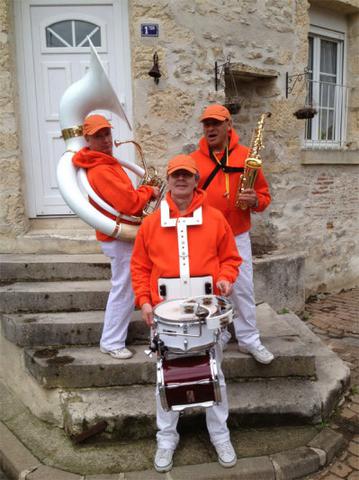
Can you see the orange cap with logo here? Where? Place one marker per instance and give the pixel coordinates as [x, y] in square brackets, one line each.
[94, 123]
[182, 162]
[218, 112]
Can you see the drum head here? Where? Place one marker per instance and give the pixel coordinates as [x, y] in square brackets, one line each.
[174, 310]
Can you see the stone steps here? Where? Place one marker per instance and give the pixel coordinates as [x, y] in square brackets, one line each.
[54, 296]
[85, 367]
[77, 387]
[130, 411]
[64, 328]
[278, 277]
[23, 268]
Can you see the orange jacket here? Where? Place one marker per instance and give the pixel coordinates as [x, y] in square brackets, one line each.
[239, 220]
[211, 246]
[112, 184]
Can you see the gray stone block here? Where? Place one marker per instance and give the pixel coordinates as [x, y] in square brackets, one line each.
[31, 267]
[329, 441]
[54, 296]
[296, 463]
[43, 472]
[279, 280]
[65, 328]
[14, 457]
[80, 367]
[255, 468]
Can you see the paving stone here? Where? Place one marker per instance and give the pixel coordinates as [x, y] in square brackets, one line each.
[353, 448]
[340, 469]
[354, 476]
[353, 461]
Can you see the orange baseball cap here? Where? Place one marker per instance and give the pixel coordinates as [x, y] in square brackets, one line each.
[182, 162]
[94, 123]
[219, 112]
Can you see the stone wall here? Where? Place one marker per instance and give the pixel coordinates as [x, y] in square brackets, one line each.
[12, 214]
[313, 206]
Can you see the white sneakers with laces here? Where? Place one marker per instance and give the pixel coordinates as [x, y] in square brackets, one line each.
[119, 354]
[261, 354]
[226, 455]
[163, 459]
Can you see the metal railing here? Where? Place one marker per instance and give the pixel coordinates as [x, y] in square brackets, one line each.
[327, 129]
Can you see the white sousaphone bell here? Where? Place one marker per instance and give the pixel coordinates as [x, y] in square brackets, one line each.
[92, 92]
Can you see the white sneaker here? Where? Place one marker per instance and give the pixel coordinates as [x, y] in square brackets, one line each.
[261, 354]
[226, 455]
[163, 459]
[119, 354]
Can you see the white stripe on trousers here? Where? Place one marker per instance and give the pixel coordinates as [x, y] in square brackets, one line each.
[120, 303]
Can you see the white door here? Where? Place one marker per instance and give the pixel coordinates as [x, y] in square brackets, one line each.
[55, 54]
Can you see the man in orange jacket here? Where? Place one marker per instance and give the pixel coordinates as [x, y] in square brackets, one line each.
[207, 249]
[220, 159]
[109, 180]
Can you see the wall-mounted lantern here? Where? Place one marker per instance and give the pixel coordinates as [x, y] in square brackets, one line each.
[155, 70]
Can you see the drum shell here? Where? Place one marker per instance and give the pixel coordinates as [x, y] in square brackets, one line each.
[188, 381]
[185, 336]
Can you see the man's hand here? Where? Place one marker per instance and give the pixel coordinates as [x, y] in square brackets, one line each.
[156, 192]
[147, 313]
[249, 197]
[225, 287]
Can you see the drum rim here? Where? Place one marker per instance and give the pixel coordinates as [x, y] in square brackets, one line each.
[194, 320]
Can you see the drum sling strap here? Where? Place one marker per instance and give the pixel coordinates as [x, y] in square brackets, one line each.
[181, 223]
[220, 165]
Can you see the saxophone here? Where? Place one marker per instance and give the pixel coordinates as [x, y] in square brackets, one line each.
[253, 162]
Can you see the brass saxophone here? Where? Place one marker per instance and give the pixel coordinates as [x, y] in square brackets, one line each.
[150, 178]
[253, 162]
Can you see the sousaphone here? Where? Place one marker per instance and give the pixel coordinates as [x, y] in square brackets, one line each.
[93, 92]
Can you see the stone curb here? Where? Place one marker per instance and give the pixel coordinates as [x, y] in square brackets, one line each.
[19, 464]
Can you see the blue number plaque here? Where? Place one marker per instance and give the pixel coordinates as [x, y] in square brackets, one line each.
[149, 30]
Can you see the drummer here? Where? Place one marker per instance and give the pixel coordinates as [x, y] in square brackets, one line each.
[207, 248]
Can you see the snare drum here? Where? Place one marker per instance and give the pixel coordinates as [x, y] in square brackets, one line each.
[188, 381]
[191, 324]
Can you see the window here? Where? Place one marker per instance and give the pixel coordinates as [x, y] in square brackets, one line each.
[326, 90]
[72, 33]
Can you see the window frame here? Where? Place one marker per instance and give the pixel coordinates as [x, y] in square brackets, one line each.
[339, 37]
[69, 17]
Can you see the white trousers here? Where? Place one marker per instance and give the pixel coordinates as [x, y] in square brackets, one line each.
[120, 303]
[216, 417]
[242, 297]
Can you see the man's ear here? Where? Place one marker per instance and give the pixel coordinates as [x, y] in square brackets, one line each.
[86, 138]
[230, 124]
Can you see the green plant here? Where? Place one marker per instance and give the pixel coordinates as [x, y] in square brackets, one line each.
[283, 311]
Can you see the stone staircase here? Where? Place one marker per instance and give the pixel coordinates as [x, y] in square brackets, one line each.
[52, 311]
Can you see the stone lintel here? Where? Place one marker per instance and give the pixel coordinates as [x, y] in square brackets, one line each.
[242, 71]
[329, 157]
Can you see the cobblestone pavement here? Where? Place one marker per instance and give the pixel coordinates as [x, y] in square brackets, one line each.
[335, 318]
